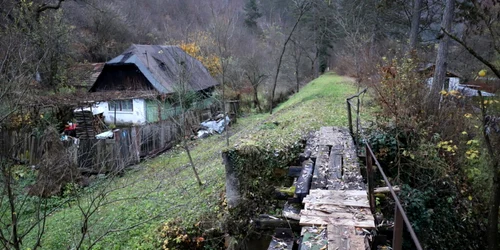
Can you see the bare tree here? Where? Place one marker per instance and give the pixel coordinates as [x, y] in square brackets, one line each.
[255, 76]
[302, 8]
[223, 29]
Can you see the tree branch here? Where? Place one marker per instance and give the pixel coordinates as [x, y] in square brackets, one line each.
[46, 6]
[488, 64]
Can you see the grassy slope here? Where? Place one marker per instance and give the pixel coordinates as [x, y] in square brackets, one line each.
[164, 186]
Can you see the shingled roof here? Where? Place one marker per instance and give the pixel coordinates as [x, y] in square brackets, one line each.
[162, 66]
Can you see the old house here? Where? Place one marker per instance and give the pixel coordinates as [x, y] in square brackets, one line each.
[143, 77]
[455, 81]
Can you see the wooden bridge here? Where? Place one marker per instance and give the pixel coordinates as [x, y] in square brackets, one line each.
[330, 202]
[335, 211]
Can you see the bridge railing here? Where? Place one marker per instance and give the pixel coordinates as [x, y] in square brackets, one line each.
[400, 218]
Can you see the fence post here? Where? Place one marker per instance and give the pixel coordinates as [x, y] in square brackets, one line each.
[369, 177]
[349, 117]
[397, 236]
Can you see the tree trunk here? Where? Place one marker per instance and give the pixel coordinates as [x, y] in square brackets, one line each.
[442, 56]
[493, 210]
[186, 147]
[8, 183]
[256, 99]
[494, 202]
[224, 100]
[297, 78]
[415, 23]
[302, 11]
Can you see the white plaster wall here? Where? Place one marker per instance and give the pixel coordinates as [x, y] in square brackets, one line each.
[135, 117]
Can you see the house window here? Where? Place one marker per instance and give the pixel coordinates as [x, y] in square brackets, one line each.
[122, 105]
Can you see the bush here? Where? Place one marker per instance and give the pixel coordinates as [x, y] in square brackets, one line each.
[430, 152]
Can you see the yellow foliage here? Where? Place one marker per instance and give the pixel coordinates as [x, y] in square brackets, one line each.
[447, 146]
[211, 62]
[482, 73]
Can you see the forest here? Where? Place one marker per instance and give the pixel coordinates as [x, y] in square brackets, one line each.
[438, 140]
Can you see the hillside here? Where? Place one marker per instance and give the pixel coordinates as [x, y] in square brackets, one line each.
[164, 188]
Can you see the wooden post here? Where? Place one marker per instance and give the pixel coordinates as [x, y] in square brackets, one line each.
[397, 236]
[369, 177]
[232, 182]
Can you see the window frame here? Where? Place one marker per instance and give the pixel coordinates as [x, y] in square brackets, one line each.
[121, 106]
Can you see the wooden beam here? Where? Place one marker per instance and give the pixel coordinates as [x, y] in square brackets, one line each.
[304, 182]
[386, 189]
[294, 171]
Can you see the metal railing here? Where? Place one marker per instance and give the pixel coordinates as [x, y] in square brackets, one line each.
[356, 107]
[399, 213]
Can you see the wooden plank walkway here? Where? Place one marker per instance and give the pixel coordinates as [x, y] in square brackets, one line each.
[336, 210]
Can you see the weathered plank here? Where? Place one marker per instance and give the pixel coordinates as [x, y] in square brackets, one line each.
[335, 168]
[337, 215]
[291, 211]
[353, 198]
[314, 239]
[304, 181]
[357, 220]
[353, 203]
[339, 237]
[266, 222]
[294, 171]
[386, 189]
[327, 136]
[319, 179]
[347, 193]
[336, 209]
[322, 221]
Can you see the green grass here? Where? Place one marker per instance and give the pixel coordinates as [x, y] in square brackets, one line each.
[164, 188]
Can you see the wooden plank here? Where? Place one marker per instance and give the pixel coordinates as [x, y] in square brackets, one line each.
[335, 168]
[352, 203]
[314, 238]
[386, 189]
[314, 221]
[318, 192]
[327, 137]
[319, 179]
[304, 181]
[358, 242]
[339, 236]
[291, 211]
[354, 198]
[337, 209]
[319, 220]
[354, 216]
[294, 171]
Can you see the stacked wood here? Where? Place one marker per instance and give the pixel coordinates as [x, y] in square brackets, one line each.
[85, 125]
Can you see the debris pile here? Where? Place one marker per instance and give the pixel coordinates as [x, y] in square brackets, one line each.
[212, 126]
